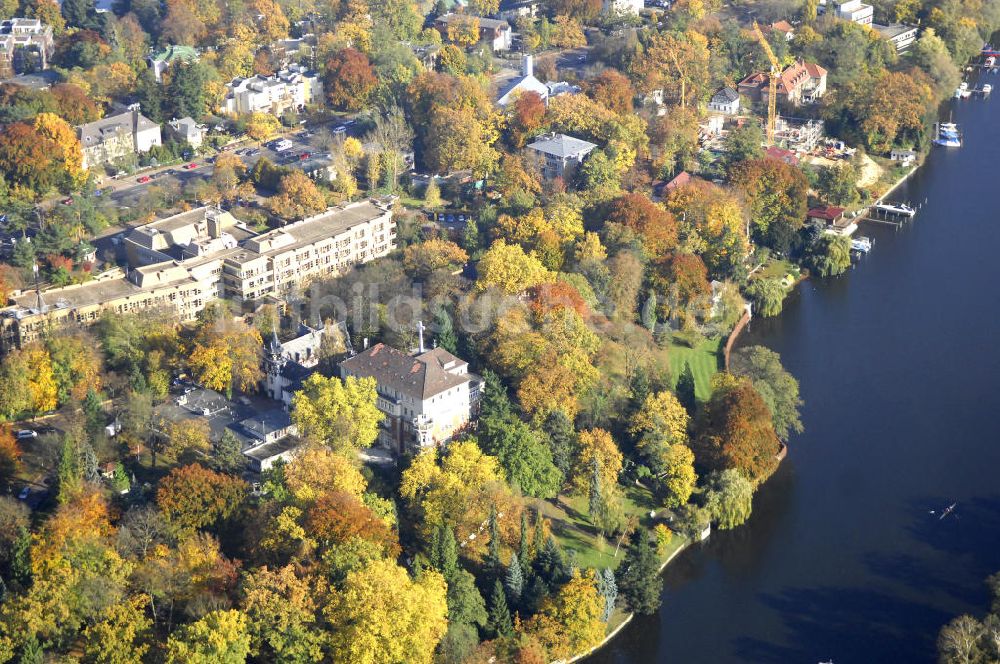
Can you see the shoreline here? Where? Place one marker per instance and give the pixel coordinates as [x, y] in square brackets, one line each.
[628, 618]
[731, 341]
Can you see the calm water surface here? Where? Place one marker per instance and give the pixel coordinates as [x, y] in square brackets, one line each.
[899, 367]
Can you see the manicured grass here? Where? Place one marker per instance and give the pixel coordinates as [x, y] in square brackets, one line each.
[572, 529]
[411, 202]
[705, 361]
[777, 269]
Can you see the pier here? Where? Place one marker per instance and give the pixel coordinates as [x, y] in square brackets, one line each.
[894, 214]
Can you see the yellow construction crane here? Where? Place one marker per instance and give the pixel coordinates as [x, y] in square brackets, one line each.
[772, 88]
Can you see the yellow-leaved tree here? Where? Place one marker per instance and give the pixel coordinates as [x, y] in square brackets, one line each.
[318, 470]
[339, 414]
[569, 621]
[596, 446]
[297, 197]
[261, 126]
[381, 615]
[461, 491]
[506, 267]
[227, 354]
[68, 152]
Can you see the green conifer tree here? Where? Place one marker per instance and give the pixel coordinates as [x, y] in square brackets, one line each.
[499, 623]
[686, 389]
[514, 581]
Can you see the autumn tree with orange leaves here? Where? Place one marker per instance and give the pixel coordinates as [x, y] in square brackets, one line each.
[193, 497]
[735, 430]
[349, 79]
[656, 226]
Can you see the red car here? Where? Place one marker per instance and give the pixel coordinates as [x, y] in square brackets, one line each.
[144, 179]
[188, 167]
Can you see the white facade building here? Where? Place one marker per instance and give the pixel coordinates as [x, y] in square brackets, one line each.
[288, 364]
[851, 10]
[426, 398]
[725, 101]
[293, 88]
[189, 131]
[621, 6]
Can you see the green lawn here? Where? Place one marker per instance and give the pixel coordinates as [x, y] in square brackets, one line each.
[411, 202]
[573, 531]
[705, 361]
[777, 269]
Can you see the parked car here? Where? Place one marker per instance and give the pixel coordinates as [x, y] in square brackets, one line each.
[341, 129]
[25, 434]
[144, 179]
[25, 492]
[191, 166]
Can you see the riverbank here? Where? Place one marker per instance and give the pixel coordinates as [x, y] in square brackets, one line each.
[627, 618]
[805, 591]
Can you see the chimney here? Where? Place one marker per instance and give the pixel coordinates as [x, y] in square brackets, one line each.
[529, 65]
[420, 329]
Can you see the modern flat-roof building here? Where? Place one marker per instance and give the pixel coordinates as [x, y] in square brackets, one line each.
[900, 36]
[427, 398]
[181, 263]
[559, 155]
[117, 136]
[849, 10]
[26, 45]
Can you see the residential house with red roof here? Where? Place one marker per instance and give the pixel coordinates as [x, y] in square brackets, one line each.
[800, 83]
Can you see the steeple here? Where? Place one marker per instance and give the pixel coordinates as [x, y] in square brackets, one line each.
[275, 343]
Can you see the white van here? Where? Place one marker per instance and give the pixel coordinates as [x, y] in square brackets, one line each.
[282, 145]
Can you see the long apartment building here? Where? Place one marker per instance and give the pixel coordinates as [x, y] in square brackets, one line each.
[181, 263]
[293, 88]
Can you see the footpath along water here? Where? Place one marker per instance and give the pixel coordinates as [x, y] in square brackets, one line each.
[899, 364]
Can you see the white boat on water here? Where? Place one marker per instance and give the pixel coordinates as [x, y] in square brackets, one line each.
[948, 135]
[896, 208]
[990, 61]
[987, 89]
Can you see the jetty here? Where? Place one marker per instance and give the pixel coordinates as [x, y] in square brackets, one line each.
[894, 214]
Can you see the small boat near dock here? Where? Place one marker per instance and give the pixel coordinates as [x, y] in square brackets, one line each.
[898, 209]
[861, 244]
[948, 135]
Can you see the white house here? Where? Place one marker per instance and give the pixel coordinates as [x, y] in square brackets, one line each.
[293, 88]
[559, 154]
[905, 157]
[900, 36]
[850, 10]
[526, 82]
[287, 364]
[427, 398]
[621, 6]
[188, 130]
[726, 101]
[511, 10]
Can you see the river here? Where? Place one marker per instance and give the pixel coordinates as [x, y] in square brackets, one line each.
[898, 363]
